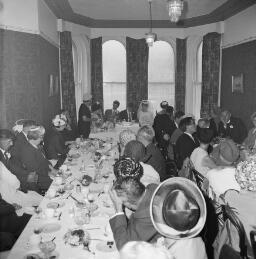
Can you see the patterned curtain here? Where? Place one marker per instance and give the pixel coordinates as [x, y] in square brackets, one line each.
[210, 71]
[180, 74]
[137, 70]
[67, 75]
[96, 70]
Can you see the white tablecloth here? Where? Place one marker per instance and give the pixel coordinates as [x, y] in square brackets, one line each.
[100, 220]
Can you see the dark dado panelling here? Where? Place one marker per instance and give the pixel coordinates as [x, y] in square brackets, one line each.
[235, 60]
[27, 60]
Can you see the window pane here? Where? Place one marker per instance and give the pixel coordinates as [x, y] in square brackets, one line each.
[114, 74]
[161, 73]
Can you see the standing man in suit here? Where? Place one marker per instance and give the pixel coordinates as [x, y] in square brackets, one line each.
[132, 194]
[187, 142]
[84, 121]
[128, 114]
[231, 127]
[112, 115]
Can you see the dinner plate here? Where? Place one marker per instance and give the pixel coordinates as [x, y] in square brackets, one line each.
[106, 247]
[55, 204]
[40, 255]
[51, 227]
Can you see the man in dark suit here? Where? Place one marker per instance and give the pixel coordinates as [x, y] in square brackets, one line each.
[84, 117]
[132, 194]
[154, 156]
[11, 225]
[128, 114]
[231, 127]
[112, 115]
[187, 142]
[25, 177]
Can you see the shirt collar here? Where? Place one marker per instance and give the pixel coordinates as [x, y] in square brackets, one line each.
[189, 135]
[3, 151]
[26, 136]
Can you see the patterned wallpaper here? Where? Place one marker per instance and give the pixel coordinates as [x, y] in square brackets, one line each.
[239, 59]
[27, 60]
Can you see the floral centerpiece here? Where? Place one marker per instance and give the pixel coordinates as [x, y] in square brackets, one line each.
[246, 174]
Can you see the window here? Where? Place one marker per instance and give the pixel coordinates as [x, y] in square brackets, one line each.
[198, 83]
[161, 74]
[114, 74]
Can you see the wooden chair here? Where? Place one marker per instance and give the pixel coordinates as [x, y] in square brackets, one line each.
[253, 242]
[227, 251]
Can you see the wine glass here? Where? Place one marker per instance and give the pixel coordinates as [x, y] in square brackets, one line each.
[37, 211]
[91, 199]
[47, 248]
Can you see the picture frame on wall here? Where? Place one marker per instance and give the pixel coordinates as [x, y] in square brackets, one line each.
[238, 83]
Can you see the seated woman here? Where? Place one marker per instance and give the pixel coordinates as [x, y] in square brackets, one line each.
[250, 141]
[145, 113]
[97, 117]
[54, 142]
[199, 157]
[137, 151]
[9, 190]
[69, 132]
[33, 159]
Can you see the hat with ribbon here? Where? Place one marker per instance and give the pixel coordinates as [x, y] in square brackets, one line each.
[59, 121]
[178, 208]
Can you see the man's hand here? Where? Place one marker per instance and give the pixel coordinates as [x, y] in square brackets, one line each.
[118, 205]
[32, 177]
[16, 206]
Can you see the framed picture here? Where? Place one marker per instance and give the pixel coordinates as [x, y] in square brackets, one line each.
[51, 85]
[238, 83]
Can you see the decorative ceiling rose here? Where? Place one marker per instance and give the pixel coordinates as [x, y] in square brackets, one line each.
[175, 8]
[150, 37]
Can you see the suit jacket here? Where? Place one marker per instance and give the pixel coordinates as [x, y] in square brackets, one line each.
[110, 116]
[139, 226]
[18, 144]
[184, 148]
[235, 130]
[156, 160]
[123, 115]
[4, 160]
[33, 160]
[54, 144]
[84, 127]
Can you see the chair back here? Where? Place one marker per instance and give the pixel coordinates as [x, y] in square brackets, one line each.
[253, 242]
[231, 215]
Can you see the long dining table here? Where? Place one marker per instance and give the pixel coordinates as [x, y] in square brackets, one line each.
[66, 207]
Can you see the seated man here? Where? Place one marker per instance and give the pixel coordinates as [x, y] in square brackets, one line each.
[187, 142]
[33, 159]
[27, 179]
[231, 127]
[132, 194]
[11, 225]
[137, 151]
[128, 114]
[125, 137]
[146, 136]
[112, 115]
[54, 142]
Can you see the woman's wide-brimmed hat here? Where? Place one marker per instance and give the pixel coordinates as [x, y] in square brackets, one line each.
[178, 208]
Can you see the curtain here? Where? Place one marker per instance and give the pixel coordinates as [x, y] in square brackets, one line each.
[67, 75]
[96, 70]
[137, 70]
[210, 71]
[180, 74]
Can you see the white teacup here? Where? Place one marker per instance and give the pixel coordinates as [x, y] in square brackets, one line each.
[58, 180]
[49, 212]
[51, 192]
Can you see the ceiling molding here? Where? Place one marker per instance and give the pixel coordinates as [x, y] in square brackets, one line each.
[63, 10]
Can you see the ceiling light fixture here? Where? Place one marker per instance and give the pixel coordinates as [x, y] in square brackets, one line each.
[175, 8]
[150, 37]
